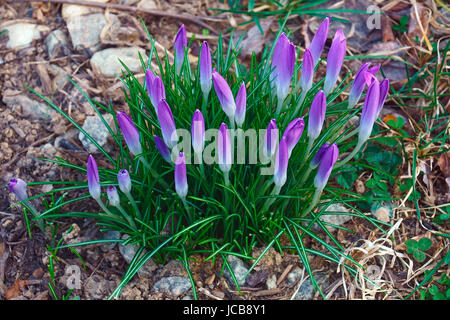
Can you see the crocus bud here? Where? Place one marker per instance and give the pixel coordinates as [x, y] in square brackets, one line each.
[318, 157]
[167, 124]
[317, 115]
[384, 89]
[241, 105]
[283, 62]
[359, 83]
[93, 178]
[369, 111]
[123, 178]
[181, 185]
[19, 188]
[205, 69]
[318, 42]
[129, 132]
[307, 71]
[149, 77]
[198, 132]
[224, 148]
[162, 148]
[281, 163]
[224, 94]
[158, 92]
[326, 165]
[293, 132]
[113, 196]
[180, 45]
[335, 59]
[271, 139]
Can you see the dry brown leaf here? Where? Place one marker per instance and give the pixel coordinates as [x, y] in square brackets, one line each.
[444, 164]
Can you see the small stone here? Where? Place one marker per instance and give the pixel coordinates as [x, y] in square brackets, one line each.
[294, 276]
[38, 273]
[306, 290]
[187, 298]
[55, 41]
[106, 62]
[48, 150]
[129, 251]
[382, 211]
[173, 285]
[72, 11]
[271, 282]
[22, 34]
[60, 76]
[147, 5]
[64, 141]
[336, 219]
[239, 270]
[109, 235]
[33, 109]
[94, 126]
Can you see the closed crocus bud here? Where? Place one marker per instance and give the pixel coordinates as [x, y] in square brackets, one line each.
[123, 178]
[224, 95]
[130, 133]
[271, 139]
[318, 42]
[370, 109]
[241, 105]
[93, 178]
[113, 196]
[283, 62]
[180, 45]
[224, 148]
[149, 77]
[158, 92]
[307, 71]
[293, 133]
[162, 148]
[317, 115]
[359, 83]
[198, 132]
[181, 185]
[384, 90]
[205, 69]
[19, 188]
[167, 124]
[326, 165]
[335, 59]
[281, 163]
[316, 160]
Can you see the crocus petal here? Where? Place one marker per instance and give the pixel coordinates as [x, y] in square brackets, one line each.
[318, 42]
[281, 163]
[293, 132]
[158, 91]
[318, 157]
[205, 69]
[123, 178]
[19, 188]
[241, 105]
[358, 86]
[162, 148]
[130, 133]
[369, 111]
[93, 178]
[224, 95]
[317, 115]
[224, 148]
[198, 132]
[271, 139]
[167, 124]
[374, 69]
[181, 185]
[307, 70]
[326, 165]
[113, 196]
[384, 89]
[180, 45]
[335, 59]
[149, 77]
[283, 61]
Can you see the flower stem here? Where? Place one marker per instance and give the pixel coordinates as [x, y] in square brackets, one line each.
[314, 201]
[153, 173]
[126, 216]
[350, 156]
[133, 203]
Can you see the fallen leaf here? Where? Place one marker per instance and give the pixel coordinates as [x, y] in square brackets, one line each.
[444, 164]
[14, 291]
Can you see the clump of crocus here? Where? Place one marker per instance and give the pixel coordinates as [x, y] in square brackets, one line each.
[205, 70]
[225, 96]
[335, 59]
[180, 45]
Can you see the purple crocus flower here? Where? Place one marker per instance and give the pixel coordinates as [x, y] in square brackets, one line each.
[149, 77]
[370, 109]
[93, 178]
[167, 124]
[205, 69]
[113, 196]
[318, 157]
[123, 178]
[180, 45]
[283, 62]
[158, 91]
[224, 148]
[307, 70]
[181, 185]
[293, 132]
[198, 132]
[162, 148]
[241, 105]
[326, 165]
[318, 42]
[335, 59]
[19, 188]
[271, 139]
[359, 83]
[384, 89]
[317, 115]
[130, 133]
[224, 94]
[281, 163]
